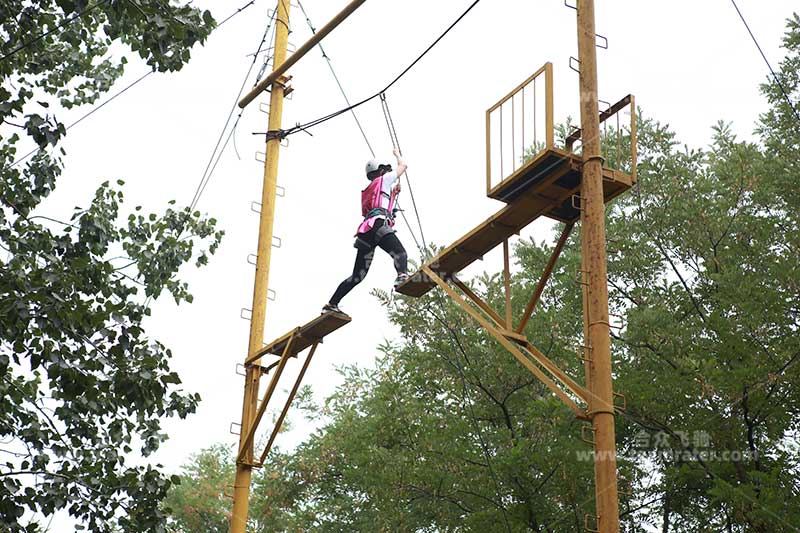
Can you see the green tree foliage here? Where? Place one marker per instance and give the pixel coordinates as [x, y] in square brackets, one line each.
[448, 432]
[82, 388]
[202, 503]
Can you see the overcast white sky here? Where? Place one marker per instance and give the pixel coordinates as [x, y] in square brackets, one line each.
[689, 63]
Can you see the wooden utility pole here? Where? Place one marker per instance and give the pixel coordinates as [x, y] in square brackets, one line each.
[245, 463]
[598, 342]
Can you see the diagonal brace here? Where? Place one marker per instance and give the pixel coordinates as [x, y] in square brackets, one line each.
[289, 401]
[559, 374]
[478, 301]
[535, 370]
[548, 269]
[273, 383]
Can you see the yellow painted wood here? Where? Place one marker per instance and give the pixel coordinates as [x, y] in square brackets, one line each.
[310, 333]
[478, 301]
[507, 284]
[548, 116]
[241, 490]
[289, 400]
[593, 231]
[283, 65]
[249, 432]
[556, 371]
[548, 269]
[498, 335]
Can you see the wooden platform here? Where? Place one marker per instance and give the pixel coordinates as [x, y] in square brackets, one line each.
[544, 186]
[306, 335]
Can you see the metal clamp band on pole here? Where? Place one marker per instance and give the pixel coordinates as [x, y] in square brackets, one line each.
[303, 50]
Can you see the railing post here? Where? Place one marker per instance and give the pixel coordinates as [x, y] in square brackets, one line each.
[489, 151]
[633, 139]
[548, 115]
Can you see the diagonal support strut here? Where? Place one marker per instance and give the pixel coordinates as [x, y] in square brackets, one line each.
[508, 345]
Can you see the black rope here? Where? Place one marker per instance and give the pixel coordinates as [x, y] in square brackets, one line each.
[336, 78]
[229, 17]
[212, 165]
[777, 80]
[395, 80]
[60, 27]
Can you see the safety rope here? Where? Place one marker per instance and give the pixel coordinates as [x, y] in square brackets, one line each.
[387, 115]
[336, 78]
[217, 152]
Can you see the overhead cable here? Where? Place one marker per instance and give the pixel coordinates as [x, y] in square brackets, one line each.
[775, 76]
[307, 125]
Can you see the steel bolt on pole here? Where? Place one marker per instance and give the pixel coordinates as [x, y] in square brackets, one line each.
[601, 408]
[244, 466]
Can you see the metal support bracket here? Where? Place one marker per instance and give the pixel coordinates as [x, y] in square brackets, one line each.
[235, 431]
[283, 81]
[576, 61]
[583, 353]
[622, 404]
[585, 429]
[508, 345]
[245, 313]
[261, 157]
[591, 519]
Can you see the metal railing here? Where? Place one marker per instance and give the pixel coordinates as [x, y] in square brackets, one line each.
[522, 121]
[617, 137]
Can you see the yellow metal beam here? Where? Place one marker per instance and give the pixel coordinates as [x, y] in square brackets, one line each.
[549, 129]
[507, 283]
[498, 335]
[548, 269]
[593, 232]
[245, 447]
[241, 491]
[283, 66]
[559, 374]
[478, 301]
[288, 404]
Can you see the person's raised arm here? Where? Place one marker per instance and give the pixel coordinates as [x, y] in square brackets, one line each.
[401, 165]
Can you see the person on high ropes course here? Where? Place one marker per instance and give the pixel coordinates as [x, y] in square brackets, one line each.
[377, 230]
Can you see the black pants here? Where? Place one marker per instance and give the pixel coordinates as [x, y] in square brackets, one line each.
[366, 251]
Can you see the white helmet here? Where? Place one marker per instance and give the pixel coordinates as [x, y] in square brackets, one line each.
[372, 166]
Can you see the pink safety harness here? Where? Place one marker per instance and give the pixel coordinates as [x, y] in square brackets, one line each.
[371, 207]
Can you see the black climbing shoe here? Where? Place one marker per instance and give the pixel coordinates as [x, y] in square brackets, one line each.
[330, 308]
[401, 278]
